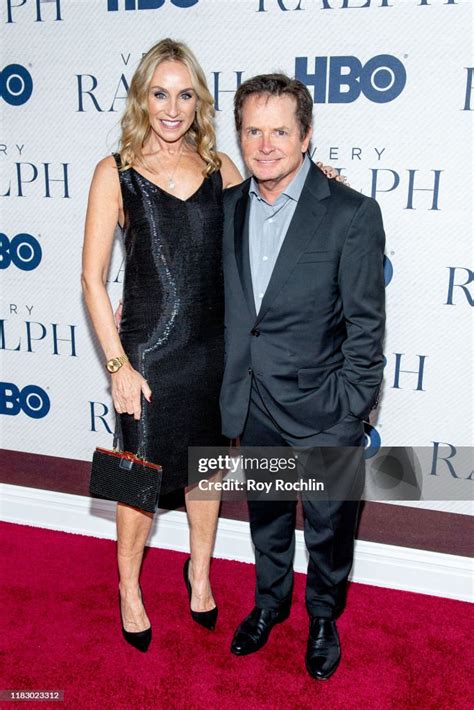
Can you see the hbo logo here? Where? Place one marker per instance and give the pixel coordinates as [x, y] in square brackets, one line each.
[24, 251]
[387, 270]
[373, 441]
[16, 84]
[341, 80]
[113, 5]
[32, 400]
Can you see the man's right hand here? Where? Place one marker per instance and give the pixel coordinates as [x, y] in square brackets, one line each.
[127, 387]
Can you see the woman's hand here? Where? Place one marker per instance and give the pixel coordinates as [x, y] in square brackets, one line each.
[332, 173]
[127, 387]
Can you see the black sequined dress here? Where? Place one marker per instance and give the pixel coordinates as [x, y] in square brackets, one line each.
[172, 325]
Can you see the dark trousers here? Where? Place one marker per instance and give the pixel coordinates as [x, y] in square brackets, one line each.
[329, 525]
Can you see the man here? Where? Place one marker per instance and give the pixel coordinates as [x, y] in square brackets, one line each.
[303, 264]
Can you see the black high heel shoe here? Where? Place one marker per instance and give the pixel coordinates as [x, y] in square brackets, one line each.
[138, 639]
[208, 619]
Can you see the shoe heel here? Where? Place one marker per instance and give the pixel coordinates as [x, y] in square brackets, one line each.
[138, 639]
[206, 619]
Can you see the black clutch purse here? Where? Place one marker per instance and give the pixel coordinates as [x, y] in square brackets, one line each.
[125, 477]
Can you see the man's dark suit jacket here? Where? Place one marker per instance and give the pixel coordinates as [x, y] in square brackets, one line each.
[315, 347]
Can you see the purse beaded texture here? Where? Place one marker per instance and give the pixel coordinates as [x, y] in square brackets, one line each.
[125, 477]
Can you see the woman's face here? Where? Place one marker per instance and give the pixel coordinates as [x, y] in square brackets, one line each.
[172, 101]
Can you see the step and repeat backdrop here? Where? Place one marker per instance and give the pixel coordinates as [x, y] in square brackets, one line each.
[393, 87]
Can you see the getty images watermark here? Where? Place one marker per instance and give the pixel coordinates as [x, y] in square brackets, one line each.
[254, 468]
[403, 473]
[276, 473]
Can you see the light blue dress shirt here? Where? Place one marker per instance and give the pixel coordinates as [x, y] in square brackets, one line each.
[268, 225]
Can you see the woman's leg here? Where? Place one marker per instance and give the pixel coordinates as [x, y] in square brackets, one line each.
[133, 527]
[203, 510]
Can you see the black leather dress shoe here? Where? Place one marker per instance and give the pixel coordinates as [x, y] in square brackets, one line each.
[255, 629]
[323, 652]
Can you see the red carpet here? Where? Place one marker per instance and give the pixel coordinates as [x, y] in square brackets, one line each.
[61, 631]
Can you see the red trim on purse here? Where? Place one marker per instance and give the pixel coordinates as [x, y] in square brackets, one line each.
[128, 455]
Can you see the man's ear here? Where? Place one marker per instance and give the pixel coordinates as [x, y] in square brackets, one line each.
[307, 139]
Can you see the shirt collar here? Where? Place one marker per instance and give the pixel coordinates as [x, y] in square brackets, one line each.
[293, 189]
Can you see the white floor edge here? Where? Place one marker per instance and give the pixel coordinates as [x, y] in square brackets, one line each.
[403, 568]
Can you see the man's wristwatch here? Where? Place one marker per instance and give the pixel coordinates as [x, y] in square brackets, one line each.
[116, 363]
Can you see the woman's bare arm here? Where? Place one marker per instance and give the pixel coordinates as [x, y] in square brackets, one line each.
[103, 213]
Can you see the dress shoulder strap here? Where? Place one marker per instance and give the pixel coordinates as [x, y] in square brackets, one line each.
[217, 178]
[118, 160]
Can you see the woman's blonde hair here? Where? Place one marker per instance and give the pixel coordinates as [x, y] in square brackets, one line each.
[135, 122]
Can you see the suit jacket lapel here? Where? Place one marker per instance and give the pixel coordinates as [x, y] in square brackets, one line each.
[241, 245]
[307, 217]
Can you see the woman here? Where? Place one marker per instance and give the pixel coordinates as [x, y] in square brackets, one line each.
[164, 189]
